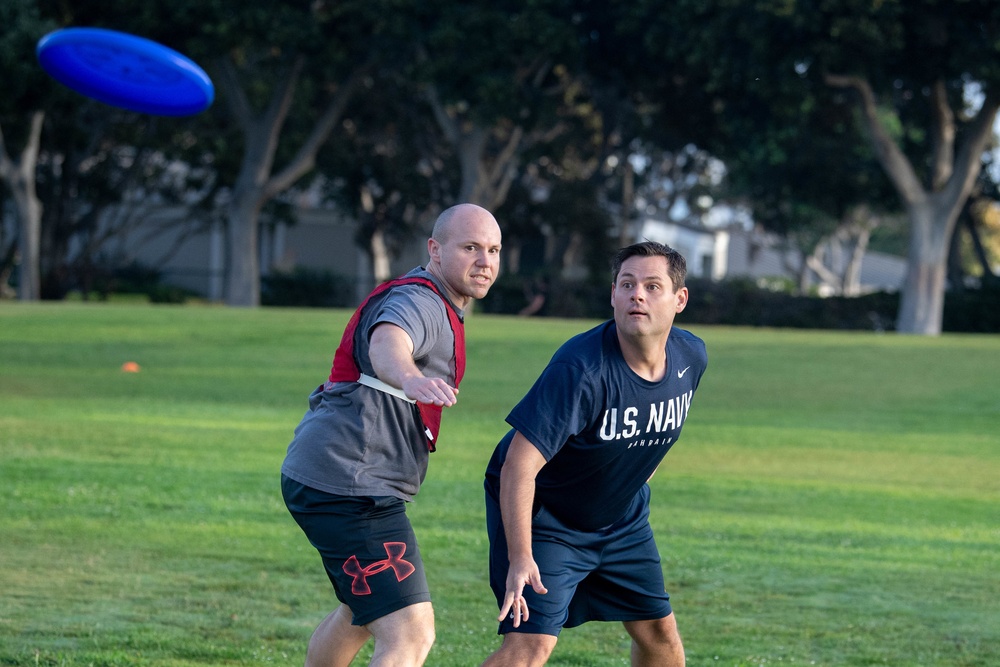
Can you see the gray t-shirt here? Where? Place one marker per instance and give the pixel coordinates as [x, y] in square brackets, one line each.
[358, 441]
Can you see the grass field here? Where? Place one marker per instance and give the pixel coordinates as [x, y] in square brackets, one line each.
[835, 498]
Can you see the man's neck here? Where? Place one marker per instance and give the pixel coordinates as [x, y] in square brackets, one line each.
[647, 357]
[460, 302]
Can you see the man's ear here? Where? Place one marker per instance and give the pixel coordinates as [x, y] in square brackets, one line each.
[682, 299]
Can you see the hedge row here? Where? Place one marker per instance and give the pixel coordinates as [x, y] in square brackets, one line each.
[736, 302]
[740, 302]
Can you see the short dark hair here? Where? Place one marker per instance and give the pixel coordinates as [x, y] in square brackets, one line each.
[676, 264]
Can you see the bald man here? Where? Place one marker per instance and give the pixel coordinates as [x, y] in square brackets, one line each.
[361, 450]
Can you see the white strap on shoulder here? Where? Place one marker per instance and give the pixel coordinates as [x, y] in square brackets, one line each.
[375, 383]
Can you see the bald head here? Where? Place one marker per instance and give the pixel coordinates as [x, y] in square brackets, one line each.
[464, 250]
[457, 217]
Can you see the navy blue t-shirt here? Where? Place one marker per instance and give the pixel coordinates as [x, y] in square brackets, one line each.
[601, 428]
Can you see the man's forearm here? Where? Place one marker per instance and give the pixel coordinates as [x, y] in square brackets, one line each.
[517, 494]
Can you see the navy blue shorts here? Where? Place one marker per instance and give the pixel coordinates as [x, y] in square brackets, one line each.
[612, 574]
[368, 547]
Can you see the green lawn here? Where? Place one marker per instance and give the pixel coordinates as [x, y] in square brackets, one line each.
[835, 498]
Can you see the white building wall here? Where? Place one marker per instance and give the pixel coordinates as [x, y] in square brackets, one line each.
[697, 245]
[739, 252]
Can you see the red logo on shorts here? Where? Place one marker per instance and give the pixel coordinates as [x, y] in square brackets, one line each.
[394, 551]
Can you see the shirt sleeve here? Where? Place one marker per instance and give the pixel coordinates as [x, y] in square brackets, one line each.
[556, 408]
[417, 311]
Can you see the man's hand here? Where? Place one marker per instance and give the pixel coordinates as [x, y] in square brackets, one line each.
[520, 574]
[434, 391]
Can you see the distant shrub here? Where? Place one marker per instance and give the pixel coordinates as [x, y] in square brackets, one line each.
[973, 311]
[306, 288]
[136, 278]
[548, 297]
[742, 302]
[745, 302]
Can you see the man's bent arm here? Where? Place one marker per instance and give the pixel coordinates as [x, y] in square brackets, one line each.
[517, 494]
[391, 354]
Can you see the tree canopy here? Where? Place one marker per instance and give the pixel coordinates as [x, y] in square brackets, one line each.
[821, 111]
[771, 83]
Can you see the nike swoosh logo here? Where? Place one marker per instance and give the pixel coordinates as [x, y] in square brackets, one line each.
[680, 374]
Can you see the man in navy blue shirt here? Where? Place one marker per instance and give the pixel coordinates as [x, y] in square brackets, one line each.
[567, 504]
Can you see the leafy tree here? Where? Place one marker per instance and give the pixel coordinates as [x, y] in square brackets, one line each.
[764, 86]
[720, 75]
[389, 168]
[285, 74]
[496, 75]
[496, 113]
[906, 69]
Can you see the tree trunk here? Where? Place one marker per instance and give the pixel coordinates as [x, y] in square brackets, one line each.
[921, 305]
[243, 262]
[29, 242]
[20, 177]
[955, 273]
[852, 272]
[469, 149]
[512, 256]
[989, 277]
[380, 257]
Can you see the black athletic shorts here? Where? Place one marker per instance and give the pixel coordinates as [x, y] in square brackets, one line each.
[611, 574]
[368, 547]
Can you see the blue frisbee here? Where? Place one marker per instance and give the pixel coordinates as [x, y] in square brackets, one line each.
[126, 71]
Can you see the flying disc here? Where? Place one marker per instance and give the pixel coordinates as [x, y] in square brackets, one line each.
[126, 71]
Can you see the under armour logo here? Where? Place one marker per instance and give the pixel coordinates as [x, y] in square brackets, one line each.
[394, 551]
